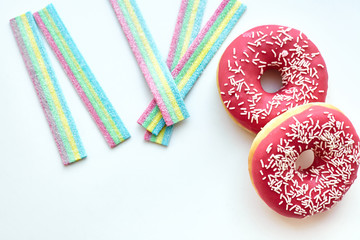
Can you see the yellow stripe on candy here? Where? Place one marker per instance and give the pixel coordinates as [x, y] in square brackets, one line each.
[83, 75]
[50, 86]
[156, 119]
[155, 63]
[189, 28]
[208, 46]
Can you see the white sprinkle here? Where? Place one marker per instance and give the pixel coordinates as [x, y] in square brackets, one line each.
[242, 72]
[268, 149]
[273, 52]
[251, 49]
[228, 103]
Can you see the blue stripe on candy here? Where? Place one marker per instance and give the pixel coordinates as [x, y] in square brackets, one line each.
[167, 135]
[198, 20]
[159, 126]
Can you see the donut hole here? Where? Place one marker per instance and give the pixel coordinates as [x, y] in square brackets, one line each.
[305, 160]
[271, 81]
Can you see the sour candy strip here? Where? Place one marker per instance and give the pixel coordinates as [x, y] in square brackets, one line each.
[47, 88]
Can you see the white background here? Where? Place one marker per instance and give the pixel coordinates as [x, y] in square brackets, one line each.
[198, 187]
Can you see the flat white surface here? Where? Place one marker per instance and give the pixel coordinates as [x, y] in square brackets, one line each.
[198, 187]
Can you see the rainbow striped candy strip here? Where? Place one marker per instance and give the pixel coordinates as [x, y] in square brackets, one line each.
[47, 88]
[197, 57]
[155, 71]
[81, 76]
[187, 27]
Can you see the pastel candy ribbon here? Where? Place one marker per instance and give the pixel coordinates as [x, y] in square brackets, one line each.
[81, 76]
[155, 71]
[47, 88]
[197, 57]
[186, 29]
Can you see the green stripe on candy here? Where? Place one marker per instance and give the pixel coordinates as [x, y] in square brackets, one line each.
[151, 116]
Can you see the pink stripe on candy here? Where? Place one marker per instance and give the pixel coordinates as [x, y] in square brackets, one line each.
[141, 61]
[74, 81]
[147, 136]
[147, 112]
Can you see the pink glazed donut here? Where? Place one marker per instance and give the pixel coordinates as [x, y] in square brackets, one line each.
[302, 68]
[293, 192]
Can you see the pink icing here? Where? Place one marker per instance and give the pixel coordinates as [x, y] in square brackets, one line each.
[266, 47]
[299, 193]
